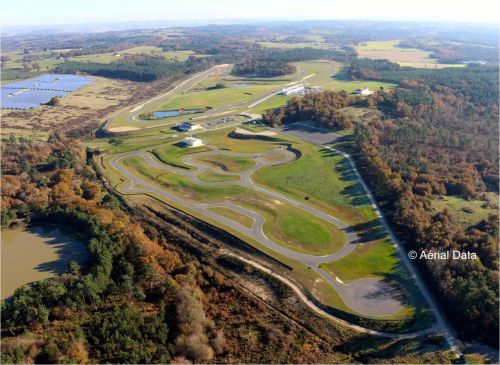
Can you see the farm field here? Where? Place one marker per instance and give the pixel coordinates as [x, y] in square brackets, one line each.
[404, 56]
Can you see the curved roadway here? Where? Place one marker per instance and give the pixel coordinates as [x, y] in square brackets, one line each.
[367, 296]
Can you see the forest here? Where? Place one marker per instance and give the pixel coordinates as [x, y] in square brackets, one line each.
[477, 83]
[263, 68]
[438, 137]
[323, 108]
[136, 68]
[103, 303]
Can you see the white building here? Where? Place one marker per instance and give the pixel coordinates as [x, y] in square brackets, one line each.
[192, 142]
[364, 91]
[297, 89]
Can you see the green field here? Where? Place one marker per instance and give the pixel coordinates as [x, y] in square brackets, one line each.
[215, 98]
[172, 154]
[274, 102]
[322, 176]
[467, 213]
[226, 163]
[377, 259]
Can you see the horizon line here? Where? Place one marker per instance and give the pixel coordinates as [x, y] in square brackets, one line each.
[236, 21]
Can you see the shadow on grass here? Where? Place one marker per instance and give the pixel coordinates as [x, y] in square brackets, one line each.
[369, 231]
[354, 190]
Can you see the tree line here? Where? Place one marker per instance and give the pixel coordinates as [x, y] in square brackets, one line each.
[437, 137]
[478, 83]
[454, 52]
[135, 68]
[323, 108]
[263, 68]
[114, 308]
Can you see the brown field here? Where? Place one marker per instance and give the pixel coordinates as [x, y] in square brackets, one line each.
[389, 50]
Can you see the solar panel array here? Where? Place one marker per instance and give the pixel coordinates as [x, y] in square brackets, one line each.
[31, 93]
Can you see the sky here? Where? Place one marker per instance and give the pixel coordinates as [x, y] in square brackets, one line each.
[60, 12]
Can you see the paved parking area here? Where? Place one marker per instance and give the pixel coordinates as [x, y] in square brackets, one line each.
[318, 136]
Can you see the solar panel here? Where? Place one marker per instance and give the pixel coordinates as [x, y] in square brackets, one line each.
[33, 92]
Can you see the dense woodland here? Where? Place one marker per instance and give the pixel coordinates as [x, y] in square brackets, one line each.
[479, 84]
[263, 68]
[323, 108]
[136, 68]
[438, 138]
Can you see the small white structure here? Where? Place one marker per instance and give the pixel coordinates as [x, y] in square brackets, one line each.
[192, 142]
[187, 127]
[364, 91]
[292, 90]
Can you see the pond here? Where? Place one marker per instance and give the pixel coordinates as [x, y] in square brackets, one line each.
[174, 113]
[242, 84]
[36, 253]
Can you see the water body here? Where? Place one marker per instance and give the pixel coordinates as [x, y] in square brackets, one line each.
[37, 253]
[242, 84]
[174, 113]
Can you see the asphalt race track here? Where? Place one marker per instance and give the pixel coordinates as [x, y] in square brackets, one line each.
[367, 296]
